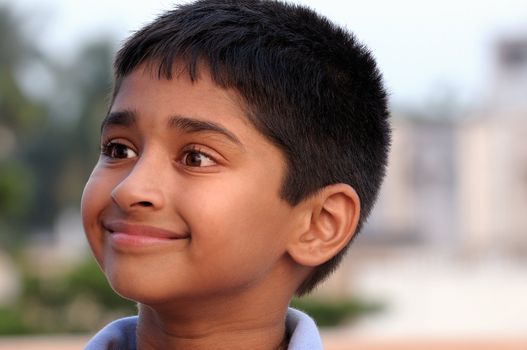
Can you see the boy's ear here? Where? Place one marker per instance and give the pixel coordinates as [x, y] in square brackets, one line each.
[332, 215]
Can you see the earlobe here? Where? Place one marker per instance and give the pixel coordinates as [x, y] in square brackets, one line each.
[333, 219]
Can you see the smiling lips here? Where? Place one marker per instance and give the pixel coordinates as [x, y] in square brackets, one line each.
[140, 235]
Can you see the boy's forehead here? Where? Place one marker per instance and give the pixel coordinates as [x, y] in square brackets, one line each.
[135, 92]
[198, 74]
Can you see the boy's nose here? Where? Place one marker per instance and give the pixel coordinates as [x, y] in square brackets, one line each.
[141, 188]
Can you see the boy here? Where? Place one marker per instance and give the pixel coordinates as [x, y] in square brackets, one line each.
[244, 146]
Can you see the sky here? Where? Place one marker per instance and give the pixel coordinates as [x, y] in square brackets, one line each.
[425, 49]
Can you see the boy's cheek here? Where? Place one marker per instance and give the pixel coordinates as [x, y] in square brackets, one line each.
[93, 203]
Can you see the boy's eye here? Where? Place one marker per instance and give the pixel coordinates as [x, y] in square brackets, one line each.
[118, 151]
[196, 158]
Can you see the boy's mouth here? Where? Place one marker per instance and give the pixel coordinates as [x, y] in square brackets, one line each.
[123, 233]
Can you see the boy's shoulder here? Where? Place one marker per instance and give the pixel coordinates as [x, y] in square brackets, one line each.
[120, 334]
[301, 331]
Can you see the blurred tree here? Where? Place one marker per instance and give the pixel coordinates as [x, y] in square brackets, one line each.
[20, 119]
[17, 111]
[47, 147]
[91, 75]
[66, 151]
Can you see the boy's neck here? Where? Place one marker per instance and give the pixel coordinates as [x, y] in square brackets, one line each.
[249, 317]
[213, 326]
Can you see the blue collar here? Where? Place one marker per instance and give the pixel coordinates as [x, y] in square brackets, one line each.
[120, 334]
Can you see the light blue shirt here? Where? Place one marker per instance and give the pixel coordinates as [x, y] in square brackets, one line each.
[120, 334]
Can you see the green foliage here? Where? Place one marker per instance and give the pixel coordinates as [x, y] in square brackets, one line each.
[79, 300]
[87, 279]
[15, 190]
[11, 322]
[333, 312]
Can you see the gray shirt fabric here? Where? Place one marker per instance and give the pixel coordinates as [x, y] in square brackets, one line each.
[120, 334]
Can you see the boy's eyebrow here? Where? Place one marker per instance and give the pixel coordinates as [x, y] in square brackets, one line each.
[188, 124]
[123, 118]
[195, 125]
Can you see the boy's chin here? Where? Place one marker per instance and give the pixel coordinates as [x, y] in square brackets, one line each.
[150, 292]
[131, 287]
[138, 293]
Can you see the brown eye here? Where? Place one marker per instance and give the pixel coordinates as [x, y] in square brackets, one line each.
[197, 159]
[193, 159]
[118, 151]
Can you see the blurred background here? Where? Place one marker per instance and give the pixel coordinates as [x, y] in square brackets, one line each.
[443, 256]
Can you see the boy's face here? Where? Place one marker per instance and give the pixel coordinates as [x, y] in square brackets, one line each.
[184, 200]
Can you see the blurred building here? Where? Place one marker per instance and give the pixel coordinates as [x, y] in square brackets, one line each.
[461, 183]
[417, 203]
[493, 159]
[446, 246]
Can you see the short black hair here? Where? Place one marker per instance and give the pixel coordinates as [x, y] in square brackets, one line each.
[308, 86]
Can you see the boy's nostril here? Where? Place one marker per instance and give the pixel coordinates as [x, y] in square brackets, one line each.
[145, 204]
